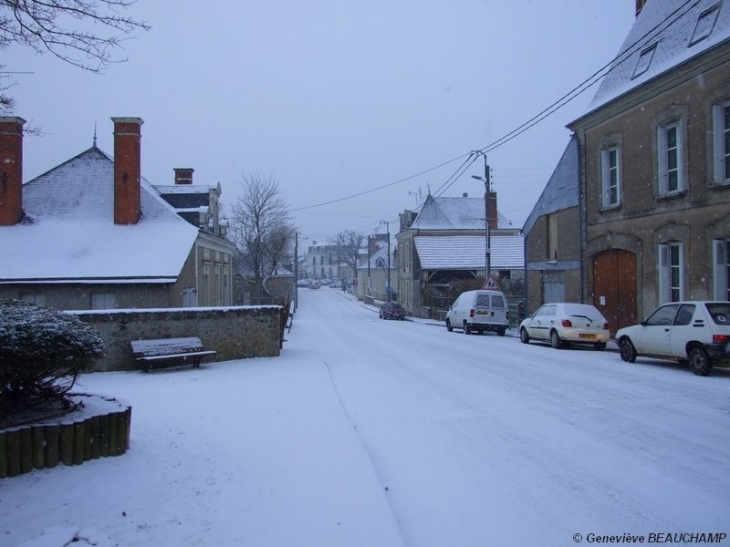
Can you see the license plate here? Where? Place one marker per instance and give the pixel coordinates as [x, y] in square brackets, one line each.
[588, 336]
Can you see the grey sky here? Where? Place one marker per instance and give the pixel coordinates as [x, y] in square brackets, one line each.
[334, 97]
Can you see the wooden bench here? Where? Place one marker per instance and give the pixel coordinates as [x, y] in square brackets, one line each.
[175, 350]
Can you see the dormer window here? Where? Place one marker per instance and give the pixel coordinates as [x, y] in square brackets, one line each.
[705, 24]
[644, 60]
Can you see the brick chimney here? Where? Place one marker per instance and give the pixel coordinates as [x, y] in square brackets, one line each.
[639, 6]
[183, 175]
[127, 170]
[493, 218]
[11, 170]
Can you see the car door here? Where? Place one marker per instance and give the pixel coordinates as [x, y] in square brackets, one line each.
[654, 339]
[683, 330]
[537, 325]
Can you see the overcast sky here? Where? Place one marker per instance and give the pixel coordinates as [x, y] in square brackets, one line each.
[333, 98]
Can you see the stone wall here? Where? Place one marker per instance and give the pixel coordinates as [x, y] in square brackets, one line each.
[233, 332]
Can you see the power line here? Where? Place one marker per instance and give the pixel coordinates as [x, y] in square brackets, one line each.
[546, 112]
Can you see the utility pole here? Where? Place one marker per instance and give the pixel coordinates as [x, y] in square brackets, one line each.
[487, 252]
[296, 270]
[388, 289]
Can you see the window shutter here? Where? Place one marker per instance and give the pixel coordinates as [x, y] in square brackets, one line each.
[663, 271]
[662, 159]
[719, 262]
[718, 134]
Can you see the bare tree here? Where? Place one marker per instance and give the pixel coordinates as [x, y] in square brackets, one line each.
[261, 229]
[346, 250]
[48, 26]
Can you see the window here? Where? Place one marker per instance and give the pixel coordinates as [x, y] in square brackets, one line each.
[642, 65]
[721, 269]
[721, 142]
[611, 177]
[39, 299]
[380, 262]
[670, 158]
[670, 272]
[662, 316]
[684, 315]
[705, 24]
[103, 301]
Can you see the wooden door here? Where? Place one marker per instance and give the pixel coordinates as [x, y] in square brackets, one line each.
[614, 287]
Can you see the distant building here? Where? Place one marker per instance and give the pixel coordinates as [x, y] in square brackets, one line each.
[442, 251]
[92, 233]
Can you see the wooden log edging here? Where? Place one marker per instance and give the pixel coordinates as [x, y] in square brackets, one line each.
[101, 428]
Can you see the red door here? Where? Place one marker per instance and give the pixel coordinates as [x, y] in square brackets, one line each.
[614, 287]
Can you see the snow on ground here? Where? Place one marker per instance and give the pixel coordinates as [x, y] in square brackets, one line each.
[385, 433]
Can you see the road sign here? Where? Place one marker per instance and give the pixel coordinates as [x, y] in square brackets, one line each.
[491, 283]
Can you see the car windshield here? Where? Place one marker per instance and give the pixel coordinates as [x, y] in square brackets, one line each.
[583, 310]
[720, 312]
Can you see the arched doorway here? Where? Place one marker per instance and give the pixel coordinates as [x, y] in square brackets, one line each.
[614, 287]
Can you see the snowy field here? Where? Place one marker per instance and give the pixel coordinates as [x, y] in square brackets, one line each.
[383, 433]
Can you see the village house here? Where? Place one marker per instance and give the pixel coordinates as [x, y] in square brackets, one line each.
[92, 233]
[650, 219]
[442, 250]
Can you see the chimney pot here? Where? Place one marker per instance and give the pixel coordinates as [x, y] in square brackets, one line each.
[11, 170]
[127, 170]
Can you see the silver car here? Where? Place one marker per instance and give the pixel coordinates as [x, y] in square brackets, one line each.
[562, 323]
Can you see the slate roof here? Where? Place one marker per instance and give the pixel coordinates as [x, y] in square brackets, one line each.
[673, 26]
[454, 214]
[467, 252]
[561, 191]
[70, 236]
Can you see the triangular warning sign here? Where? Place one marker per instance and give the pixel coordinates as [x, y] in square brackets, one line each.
[491, 283]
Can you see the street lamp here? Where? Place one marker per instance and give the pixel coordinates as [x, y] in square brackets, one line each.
[487, 252]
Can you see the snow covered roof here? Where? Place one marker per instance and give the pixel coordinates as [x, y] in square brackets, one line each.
[665, 34]
[183, 188]
[454, 214]
[467, 252]
[70, 235]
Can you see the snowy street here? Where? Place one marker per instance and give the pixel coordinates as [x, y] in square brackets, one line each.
[368, 432]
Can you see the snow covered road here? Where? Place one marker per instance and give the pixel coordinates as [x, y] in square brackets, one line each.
[387, 433]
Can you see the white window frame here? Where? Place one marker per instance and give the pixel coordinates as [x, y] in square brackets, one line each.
[611, 176]
[671, 261]
[720, 267]
[721, 142]
[665, 152]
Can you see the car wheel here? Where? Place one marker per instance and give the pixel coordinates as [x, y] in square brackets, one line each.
[627, 350]
[699, 362]
[524, 337]
[599, 346]
[448, 326]
[467, 328]
[555, 340]
[501, 332]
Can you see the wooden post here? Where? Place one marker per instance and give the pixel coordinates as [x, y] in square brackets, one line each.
[53, 439]
[13, 441]
[3, 454]
[39, 446]
[104, 435]
[26, 450]
[121, 432]
[78, 455]
[94, 441]
[113, 433]
[66, 443]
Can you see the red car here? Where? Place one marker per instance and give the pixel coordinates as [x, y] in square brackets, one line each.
[392, 310]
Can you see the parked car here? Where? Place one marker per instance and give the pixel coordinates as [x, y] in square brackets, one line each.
[562, 323]
[315, 285]
[479, 311]
[392, 310]
[695, 332]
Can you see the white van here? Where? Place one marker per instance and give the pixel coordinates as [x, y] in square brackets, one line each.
[479, 311]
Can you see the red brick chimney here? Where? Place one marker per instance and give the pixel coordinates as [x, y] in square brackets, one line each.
[183, 175]
[127, 170]
[11, 170]
[493, 219]
[639, 6]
